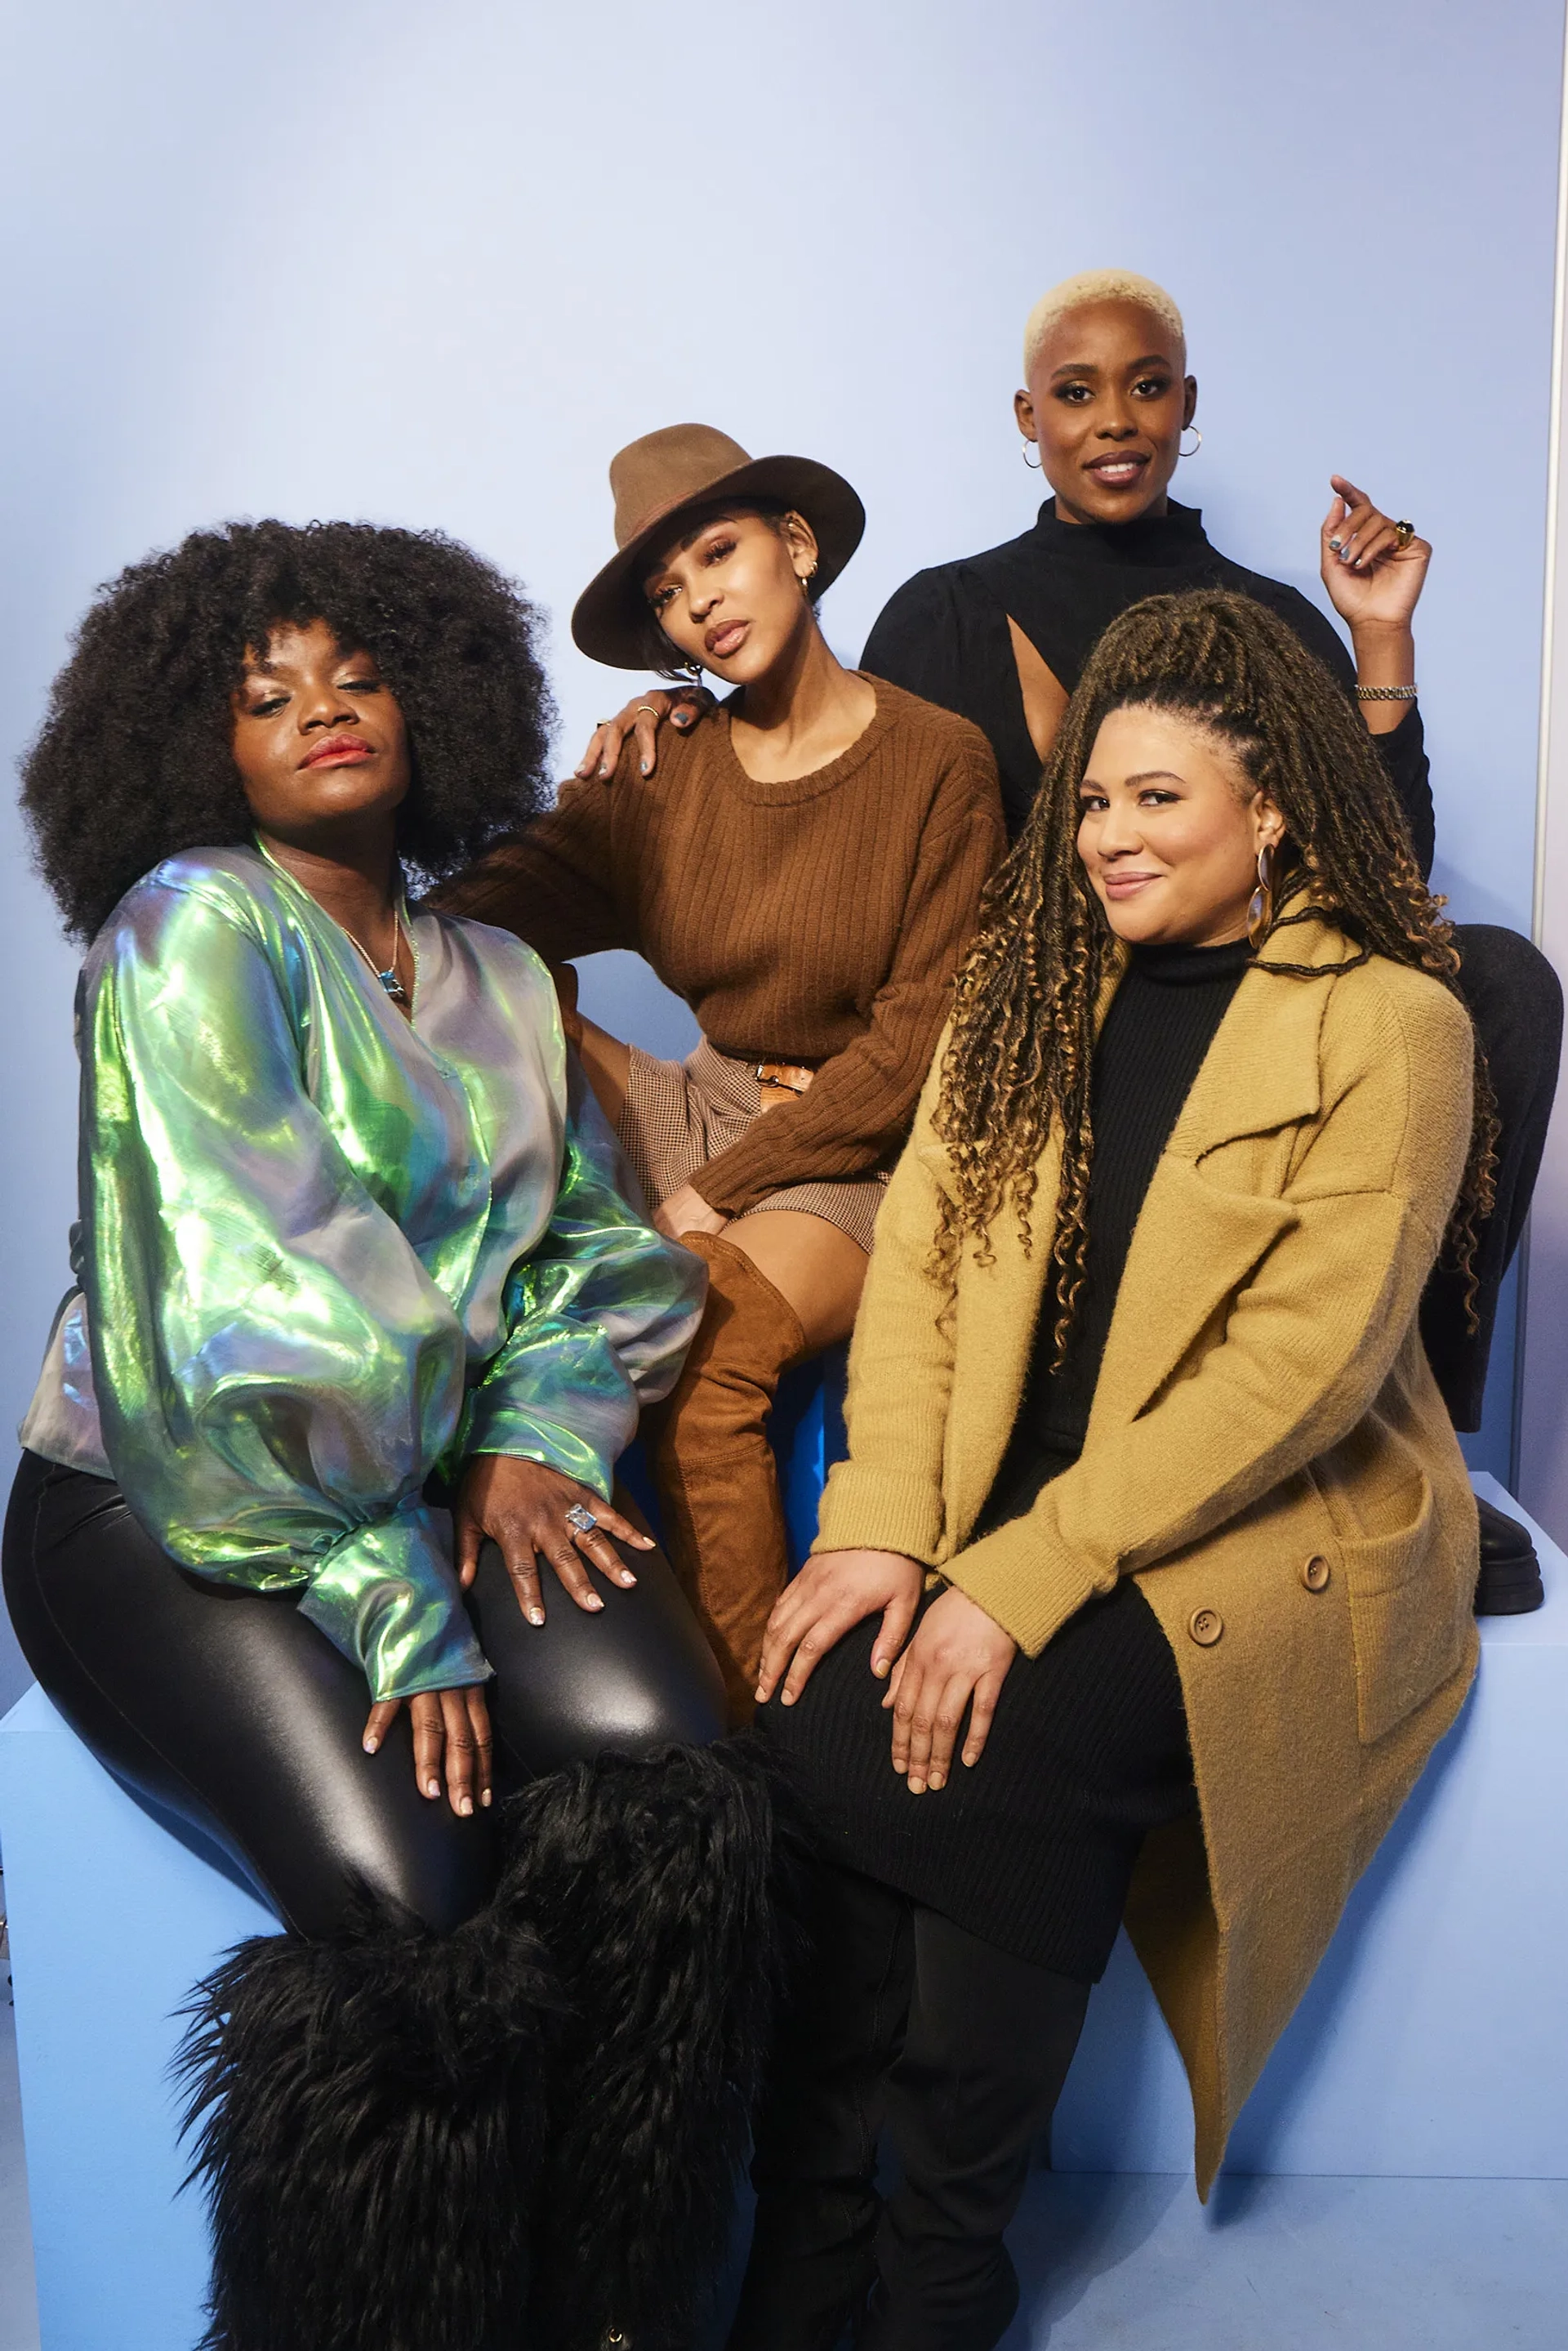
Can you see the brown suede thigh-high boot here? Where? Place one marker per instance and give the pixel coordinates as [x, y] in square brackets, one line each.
[713, 1467]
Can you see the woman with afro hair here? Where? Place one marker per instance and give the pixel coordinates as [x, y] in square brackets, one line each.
[362, 1320]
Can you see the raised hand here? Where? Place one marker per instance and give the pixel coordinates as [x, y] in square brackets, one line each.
[1372, 580]
[684, 705]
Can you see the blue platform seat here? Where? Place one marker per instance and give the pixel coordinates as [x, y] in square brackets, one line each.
[1435, 2040]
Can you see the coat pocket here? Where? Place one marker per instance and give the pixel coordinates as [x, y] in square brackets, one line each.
[1408, 1630]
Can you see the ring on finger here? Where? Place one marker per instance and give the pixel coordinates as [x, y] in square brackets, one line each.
[641, 708]
[580, 1519]
[1404, 532]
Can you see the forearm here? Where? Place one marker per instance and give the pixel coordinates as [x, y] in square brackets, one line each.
[1384, 658]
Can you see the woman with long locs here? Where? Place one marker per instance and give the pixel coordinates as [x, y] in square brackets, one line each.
[805, 871]
[1148, 1581]
[363, 1319]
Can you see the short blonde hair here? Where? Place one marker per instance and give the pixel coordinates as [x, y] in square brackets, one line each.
[1097, 286]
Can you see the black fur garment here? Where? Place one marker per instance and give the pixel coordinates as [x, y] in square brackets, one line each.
[652, 1884]
[524, 2135]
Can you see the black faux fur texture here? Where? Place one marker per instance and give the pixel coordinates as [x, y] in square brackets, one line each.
[370, 2113]
[653, 1883]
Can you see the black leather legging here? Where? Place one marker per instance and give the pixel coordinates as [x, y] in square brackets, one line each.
[235, 1714]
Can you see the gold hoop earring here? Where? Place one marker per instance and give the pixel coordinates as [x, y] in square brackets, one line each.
[1261, 905]
[806, 579]
[1034, 468]
[1196, 442]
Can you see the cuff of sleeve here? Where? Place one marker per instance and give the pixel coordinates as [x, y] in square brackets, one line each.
[868, 1509]
[1026, 1579]
[388, 1597]
[498, 1427]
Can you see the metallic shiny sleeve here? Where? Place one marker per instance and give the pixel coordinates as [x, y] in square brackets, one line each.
[274, 1369]
[600, 1317]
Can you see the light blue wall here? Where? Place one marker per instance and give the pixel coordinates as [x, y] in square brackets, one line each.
[434, 265]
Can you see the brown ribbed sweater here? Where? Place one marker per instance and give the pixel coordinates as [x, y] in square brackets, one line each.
[816, 921]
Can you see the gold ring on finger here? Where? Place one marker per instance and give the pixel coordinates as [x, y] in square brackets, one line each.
[1404, 532]
[641, 708]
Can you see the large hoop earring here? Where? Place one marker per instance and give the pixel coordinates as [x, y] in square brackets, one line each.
[1261, 905]
[1196, 442]
[1034, 468]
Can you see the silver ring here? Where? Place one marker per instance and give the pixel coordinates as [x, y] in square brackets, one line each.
[580, 1519]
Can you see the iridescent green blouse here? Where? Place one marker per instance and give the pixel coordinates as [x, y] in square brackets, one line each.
[324, 1251]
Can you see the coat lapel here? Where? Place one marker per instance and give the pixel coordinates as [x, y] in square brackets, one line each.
[1201, 1232]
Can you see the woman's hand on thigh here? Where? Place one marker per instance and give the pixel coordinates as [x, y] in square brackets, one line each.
[959, 1659]
[522, 1506]
[686, 1211]
[451, 1741]
[833, 1593]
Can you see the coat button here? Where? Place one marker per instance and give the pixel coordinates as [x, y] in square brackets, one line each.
[1205, 1624]
[1314, 1572]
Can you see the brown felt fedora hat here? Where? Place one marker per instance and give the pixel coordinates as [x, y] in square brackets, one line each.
[655, 480]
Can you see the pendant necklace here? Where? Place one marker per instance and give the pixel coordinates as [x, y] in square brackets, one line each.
[389, 978]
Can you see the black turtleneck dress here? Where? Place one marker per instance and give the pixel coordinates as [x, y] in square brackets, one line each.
[1032, 1848]
[944, 635]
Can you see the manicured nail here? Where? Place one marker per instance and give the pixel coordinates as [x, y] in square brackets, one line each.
[647, 767]
[643, 1542]
[465, 1806]
[604, 767]
[760, 1694]
[485, 1797]
[594, 1601]
[1336, 544]
[535, 1615]
[788, 1699]
[433, 1787]
[626, 1577]
[879, 1667]
[938, 1781]
[682, 718]
[371, 1745]
[917, 1787]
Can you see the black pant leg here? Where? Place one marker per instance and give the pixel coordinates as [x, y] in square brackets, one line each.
[986, 2050]
[1516, 1002]
[231, 1711]
[813, 2244]
[635, 1676]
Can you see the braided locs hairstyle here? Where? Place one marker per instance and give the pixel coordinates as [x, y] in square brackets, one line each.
[1018, 1059]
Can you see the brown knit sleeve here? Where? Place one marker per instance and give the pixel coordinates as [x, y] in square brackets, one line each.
[553, 885]
[858, 1111]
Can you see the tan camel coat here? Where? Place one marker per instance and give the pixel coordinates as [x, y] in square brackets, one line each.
[1268, 1453]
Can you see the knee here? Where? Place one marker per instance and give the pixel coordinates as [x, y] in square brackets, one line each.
[435, 1872]
[1508, 982]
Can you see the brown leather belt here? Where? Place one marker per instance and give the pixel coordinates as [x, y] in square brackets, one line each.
[788, 1077]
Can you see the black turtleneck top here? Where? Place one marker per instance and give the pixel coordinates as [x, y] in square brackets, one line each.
[944, 634]
[1161, 1022]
